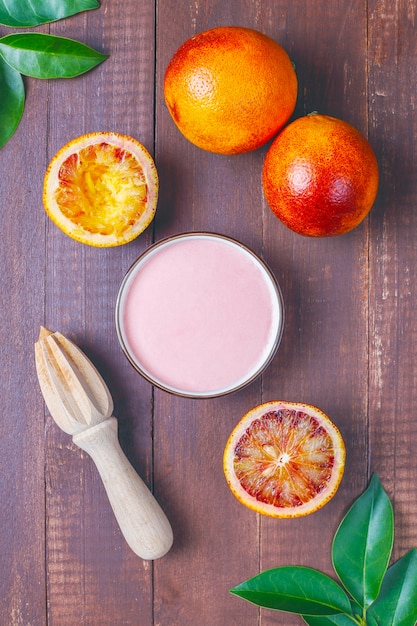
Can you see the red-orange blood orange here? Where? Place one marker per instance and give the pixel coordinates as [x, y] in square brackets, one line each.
[230, 89]
[320, 176]
[284, 459]
[101, 189]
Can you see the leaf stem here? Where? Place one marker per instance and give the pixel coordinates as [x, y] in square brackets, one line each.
[357, 619]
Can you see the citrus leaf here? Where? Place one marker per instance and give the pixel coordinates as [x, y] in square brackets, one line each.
[29, 13]
[331, 620]
[47, 56]
[363, 542]
[397, 602]
[296, 590]
[12, 101]
[341, 619]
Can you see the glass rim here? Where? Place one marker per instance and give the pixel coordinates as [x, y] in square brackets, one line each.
[278, 332]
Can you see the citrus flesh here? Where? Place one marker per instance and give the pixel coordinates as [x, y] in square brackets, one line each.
[101, 189]
[230, 89]
[320, 176]
[284, 459]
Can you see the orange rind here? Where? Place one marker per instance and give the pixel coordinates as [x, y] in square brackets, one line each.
[230, 89]
[284, 459]
[320, 176]
[101, 189]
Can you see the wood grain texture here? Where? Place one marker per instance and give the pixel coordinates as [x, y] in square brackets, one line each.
[325, 286]
[349, 341]
[393, 331]
[22, 496]
[86, 551]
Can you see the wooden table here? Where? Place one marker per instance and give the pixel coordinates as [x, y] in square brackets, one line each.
[349, 342]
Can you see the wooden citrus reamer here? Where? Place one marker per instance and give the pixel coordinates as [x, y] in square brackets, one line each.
[80, 403]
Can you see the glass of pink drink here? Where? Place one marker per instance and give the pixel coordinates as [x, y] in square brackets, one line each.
[199, 315]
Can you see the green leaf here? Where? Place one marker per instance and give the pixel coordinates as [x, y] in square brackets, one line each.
[46, 56]
[12, 101]
[397, 602]
[363, 542]
[295, 590]
[356, 609]
[29, 13]
[341, 619]
[331, 620]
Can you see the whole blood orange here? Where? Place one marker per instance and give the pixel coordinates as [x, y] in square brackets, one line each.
[101, 189]
[230, 89]
[284, 459]
[320, 176]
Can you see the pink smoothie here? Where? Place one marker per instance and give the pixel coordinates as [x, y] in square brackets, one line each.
[199, 315]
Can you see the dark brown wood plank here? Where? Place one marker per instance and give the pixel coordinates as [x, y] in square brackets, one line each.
[393, 261]
[216, 539]
[91, 570]
[22, 511]
[324, 283]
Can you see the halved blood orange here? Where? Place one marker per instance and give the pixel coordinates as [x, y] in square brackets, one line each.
[101, 189]
[284, 459]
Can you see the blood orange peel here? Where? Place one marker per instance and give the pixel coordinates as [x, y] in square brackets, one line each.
[230, 89]
[101, 189]
[320, 176]
[284, 459]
